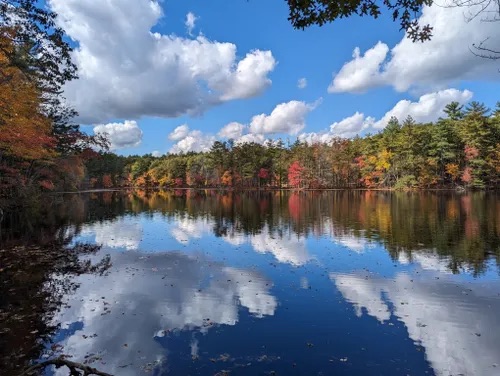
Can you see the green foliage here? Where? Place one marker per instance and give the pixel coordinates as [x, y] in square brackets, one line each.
[406, 182]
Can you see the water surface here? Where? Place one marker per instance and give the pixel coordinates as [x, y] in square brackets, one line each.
[205, 283]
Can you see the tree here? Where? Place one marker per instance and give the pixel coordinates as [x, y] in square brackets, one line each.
[454, 111]
[24, 131]
[107, 182]
[476, 109]
[263, 174]
[218, 158]
[227, 179]
[42, 51]
[304, 13]
[295, 174]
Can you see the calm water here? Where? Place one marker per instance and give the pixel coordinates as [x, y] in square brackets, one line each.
[203, 283]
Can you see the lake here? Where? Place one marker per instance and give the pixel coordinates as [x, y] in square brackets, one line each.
[255, 283]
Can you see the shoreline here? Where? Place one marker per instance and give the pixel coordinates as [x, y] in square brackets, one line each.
[225, 189]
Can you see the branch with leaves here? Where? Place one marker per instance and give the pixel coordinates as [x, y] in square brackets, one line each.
[304, 13]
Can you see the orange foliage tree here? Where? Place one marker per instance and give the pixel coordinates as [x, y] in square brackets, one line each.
[25, 131]
[227, 179]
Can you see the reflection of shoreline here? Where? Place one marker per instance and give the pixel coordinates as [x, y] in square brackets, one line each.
[459, 227]
[257, 189]
[154, 296]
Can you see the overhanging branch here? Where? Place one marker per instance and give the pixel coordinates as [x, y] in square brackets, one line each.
[75, 369]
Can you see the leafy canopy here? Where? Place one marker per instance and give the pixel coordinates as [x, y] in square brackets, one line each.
[304, 13]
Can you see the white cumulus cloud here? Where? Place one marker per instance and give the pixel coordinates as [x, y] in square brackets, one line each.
[362, 72]
[248, 79]
[251, 137]
[115, 234]
[286, 117]
[351, 125]
[127, 71]
[188, 140]
[121, 135]
[445, 59]
[285, 249]
[232, 130]
[302, 83]
[429, 107]
[179, 133]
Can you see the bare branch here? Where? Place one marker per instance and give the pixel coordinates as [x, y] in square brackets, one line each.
[76, 369]
[484, 52]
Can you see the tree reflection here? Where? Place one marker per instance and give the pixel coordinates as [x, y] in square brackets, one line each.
[463, 229]
[37, 267]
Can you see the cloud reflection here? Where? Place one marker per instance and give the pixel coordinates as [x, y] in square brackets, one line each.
[290, 250]
[147, 297]
[456, 324]
[119, 233]
[286, 249]
[358, 244]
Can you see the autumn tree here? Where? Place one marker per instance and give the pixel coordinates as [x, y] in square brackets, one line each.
[25, 132]
[295, 171]
[44, 56]
[263, 175]
[227, 179]
[35, 125]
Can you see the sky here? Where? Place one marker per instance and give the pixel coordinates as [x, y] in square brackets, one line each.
[160, 76]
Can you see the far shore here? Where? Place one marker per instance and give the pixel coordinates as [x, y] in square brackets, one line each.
[269, 189]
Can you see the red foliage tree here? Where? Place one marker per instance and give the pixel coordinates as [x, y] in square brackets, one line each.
[467, 175]
[471, 153]
[179, 182]
[295, 174]
[263, 173]
[107, 182]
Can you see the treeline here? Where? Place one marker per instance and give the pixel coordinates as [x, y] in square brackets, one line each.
[40, 146]
[459, 150]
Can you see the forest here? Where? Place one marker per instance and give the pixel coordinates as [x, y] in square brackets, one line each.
[43, 149]
[460, 150]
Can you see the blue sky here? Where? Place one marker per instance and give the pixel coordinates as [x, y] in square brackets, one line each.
[142, 73]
